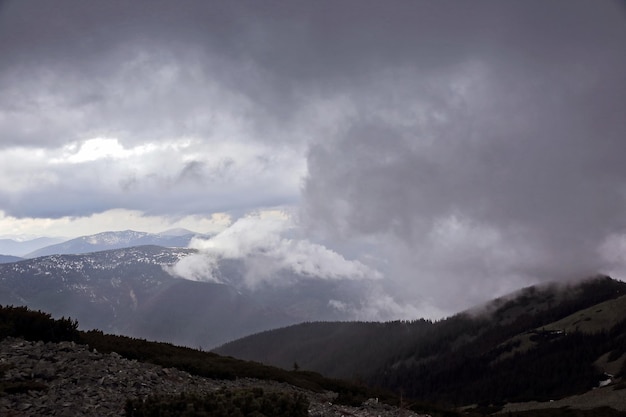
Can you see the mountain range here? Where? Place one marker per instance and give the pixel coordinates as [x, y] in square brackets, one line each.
[564, 344]
[133, 291]
[116, 240]
[20, 248]
[12, 250]
[129, 291]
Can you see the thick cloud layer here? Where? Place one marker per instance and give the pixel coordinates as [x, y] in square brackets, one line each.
[140, 106]
[503, 167]
[471, 147]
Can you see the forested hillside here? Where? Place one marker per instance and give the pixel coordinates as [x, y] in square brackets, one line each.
[337, 349]
[508, 350]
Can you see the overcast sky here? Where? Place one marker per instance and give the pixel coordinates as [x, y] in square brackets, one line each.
[461, 149]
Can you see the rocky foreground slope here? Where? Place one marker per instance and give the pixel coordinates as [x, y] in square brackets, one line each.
[68, 379]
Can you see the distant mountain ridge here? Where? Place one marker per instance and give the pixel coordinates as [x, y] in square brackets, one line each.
[117, 240]
[131, 291]
[22, 247]
[5, 259]
[541, 343]
[128, 291]
[103, 289]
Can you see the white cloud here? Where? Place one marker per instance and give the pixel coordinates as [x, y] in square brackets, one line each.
[613, 251]
[260, 240]
[377, 305]
[198, 267]
[179, 175]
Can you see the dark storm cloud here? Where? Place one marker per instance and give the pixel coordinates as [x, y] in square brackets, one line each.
[150, 74]
[94, 62]
[148, 69]
[514, 155]
[133, 68]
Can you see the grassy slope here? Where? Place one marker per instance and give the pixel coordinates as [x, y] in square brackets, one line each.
[599, 317]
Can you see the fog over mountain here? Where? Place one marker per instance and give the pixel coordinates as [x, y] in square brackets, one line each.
[441, 152]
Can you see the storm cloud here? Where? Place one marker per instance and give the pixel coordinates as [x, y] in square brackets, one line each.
[465, 148]
[502, 167]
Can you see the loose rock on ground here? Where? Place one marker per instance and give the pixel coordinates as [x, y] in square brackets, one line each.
[72, 380]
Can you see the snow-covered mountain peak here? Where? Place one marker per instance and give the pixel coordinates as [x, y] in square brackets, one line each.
[114, 238]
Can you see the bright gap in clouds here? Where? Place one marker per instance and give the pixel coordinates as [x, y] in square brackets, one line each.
[99, 148]
[170, 177]
[110, 220]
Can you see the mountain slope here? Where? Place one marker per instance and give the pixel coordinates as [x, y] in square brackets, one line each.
[115, 240]
[5, 259]
[93, 373]
[129, 291]
[334, 349]
[471, 357]
[100, 288]
[21, 248]
[132, 291]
